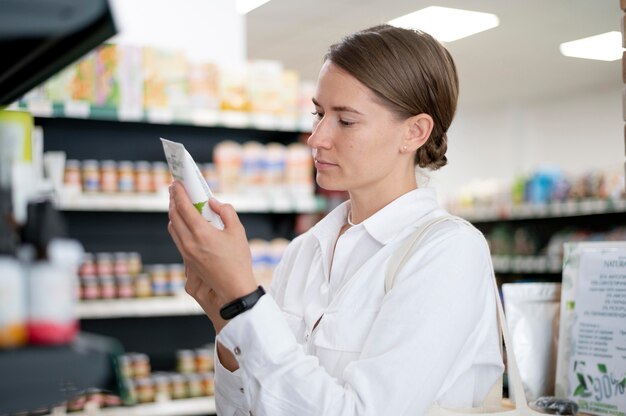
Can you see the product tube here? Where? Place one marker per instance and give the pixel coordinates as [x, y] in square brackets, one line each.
[184, 169]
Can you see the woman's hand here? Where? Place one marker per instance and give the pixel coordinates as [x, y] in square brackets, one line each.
[219, 260]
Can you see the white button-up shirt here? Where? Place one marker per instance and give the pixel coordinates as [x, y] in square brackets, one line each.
[432, 338]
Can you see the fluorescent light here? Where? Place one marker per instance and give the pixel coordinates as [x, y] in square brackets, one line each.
[603, 47]
[446, 24]
[245, 6]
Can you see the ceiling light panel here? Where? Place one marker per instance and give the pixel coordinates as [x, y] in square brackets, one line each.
[446, 24]
[603, 47]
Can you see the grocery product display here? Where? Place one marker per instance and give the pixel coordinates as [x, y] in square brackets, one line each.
[547, 189]
[193, 377]
[134, 83]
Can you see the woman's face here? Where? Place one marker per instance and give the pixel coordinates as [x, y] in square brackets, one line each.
[356, 141]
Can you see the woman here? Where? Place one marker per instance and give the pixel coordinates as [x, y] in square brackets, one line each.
[329, 339]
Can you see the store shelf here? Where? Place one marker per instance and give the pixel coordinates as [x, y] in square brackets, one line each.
[526, 264]
[534, 211]
[181, 304]
[190, 117]
[159, 202]
[183, 407]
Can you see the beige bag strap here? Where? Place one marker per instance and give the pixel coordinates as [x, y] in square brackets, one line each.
[400, 257]
[494, 397]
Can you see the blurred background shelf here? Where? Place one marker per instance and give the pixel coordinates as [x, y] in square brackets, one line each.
[159, 202]
[183, 407]
[193, 117]
[536, 211]
[180, 305]
[527, 264]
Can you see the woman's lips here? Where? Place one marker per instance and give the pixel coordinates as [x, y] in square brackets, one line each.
[323, 165]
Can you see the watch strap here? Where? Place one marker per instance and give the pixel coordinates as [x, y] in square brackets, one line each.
[242, 304]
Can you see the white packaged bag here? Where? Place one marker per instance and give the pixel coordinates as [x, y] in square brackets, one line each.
[532, 314]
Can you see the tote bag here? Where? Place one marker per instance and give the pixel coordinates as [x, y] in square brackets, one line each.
[492, 405]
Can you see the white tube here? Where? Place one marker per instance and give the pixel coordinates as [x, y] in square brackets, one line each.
[184, 169]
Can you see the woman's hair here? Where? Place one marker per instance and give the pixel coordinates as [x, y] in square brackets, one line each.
[411, 73]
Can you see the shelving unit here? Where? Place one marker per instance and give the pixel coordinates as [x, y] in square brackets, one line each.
[280, 202]
[193, 117]
[526, 264]
[138, 222]
[543, 221]
[537, 211]
[183, 407]
[179, 305]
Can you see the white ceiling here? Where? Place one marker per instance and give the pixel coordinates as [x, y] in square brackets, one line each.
[517, 62]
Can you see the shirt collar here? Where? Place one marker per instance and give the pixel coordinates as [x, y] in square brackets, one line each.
[385, 224]
[401, 213]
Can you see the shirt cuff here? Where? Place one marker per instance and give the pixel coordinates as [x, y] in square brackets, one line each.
[229, 392]
[259, 337]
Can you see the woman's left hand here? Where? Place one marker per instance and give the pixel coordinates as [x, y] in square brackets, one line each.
[221, 258]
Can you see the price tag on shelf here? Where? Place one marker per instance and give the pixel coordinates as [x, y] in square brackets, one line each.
[128, 113]
[76, 109]
[235, 119]
[40, 108]
[201, 117]
[160, 116]
[264, 121]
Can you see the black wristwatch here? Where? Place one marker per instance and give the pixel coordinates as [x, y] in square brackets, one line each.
[242, 304]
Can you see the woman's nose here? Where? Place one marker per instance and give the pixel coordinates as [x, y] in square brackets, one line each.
[320, 136]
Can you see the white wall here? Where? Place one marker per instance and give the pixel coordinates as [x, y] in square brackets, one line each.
[208, 30]
[577, 133]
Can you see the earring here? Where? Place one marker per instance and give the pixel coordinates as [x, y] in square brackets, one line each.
[404, 149]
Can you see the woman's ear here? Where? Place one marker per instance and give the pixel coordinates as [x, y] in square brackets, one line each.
[419, 129]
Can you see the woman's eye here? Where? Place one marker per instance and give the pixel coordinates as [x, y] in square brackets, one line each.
[346, 123]
[317, 114]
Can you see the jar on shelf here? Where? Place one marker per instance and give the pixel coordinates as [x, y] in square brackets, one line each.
[158, 277]
[107, 287]
[108, 176]
[143, 176]
[131, 392]
[71, 175]
[91, 176]
[178, 386]
[141, 365]
[88, 266]
[161, 386]
[89, 289]
[185, 361]
[125, 366]
[143, 286]
[120, 264]
[208, 383]
[145, 390]
[176, 278]
[161, 177]
[125, 287]
[134, 263]
[194, 385]
[125, 176]
[104, 264]
[204, 360]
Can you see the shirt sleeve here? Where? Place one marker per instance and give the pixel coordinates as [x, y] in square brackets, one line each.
[422, 328]
[229, 394]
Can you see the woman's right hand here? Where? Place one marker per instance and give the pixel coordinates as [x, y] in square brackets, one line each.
[206, 297]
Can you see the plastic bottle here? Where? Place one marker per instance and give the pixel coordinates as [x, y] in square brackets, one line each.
[12, 303]
[52, 292]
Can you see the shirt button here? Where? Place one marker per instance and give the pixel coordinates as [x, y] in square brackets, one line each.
[237, 351]
[306, 337]
[241, 389]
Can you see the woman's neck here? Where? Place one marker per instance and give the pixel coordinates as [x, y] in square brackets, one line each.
[364, 204]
